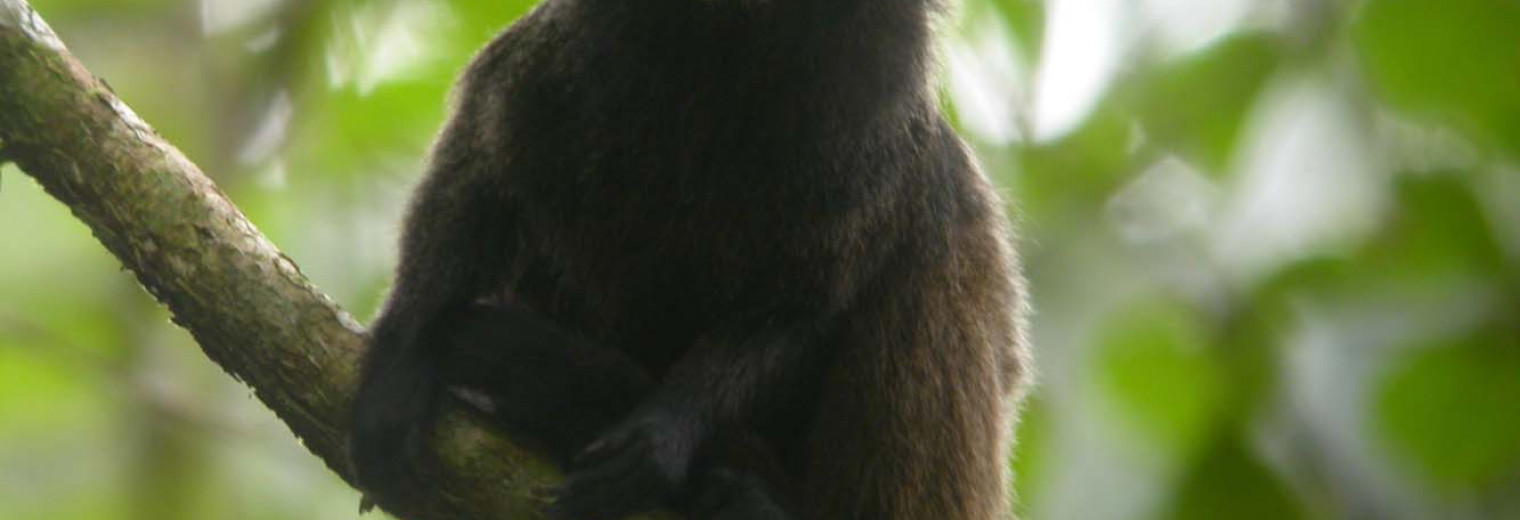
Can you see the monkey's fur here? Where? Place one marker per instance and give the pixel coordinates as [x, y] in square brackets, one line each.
[702, 228]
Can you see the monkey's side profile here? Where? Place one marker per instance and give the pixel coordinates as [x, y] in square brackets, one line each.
[722, 256]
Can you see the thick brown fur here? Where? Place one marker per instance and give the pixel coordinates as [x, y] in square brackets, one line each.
[757, 209]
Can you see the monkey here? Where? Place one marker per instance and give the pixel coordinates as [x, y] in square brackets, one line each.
[659, 235]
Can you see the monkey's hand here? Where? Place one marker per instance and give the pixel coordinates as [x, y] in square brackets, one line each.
[633, 467]
[391, 415]
[725, 494]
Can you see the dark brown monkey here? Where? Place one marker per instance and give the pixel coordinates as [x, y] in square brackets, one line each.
[706, 227]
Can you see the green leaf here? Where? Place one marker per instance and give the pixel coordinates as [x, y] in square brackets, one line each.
[1197, 105]
[1456, 60]
[1154, 364]
[1451, 411]
[1228, 481]
[1027, 19]
[1438, 229]
[1076, 174]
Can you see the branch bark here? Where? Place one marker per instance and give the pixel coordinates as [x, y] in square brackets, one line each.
[248, 306]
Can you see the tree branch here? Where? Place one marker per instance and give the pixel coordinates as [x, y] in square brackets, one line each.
[248, 306]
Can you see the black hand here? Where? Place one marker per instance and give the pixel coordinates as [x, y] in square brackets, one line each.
[634, 467]
[724, 494]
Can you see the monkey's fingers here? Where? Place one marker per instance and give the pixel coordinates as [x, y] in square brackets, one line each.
[605, 505]
[603, 448]
[609, 502]
[624, 485]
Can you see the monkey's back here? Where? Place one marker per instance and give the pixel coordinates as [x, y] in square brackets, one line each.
[720, 175]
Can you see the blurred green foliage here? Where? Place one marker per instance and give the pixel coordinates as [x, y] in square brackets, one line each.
[1157, 372]
[1276, 257]
[1458, 62]
[1466, 376]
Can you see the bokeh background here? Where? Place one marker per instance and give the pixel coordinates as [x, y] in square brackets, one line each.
[1274, 247]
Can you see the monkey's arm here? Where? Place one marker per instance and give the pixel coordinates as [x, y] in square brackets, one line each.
[563, 391]
[456, 229]
[554, 387]
[729, 379]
